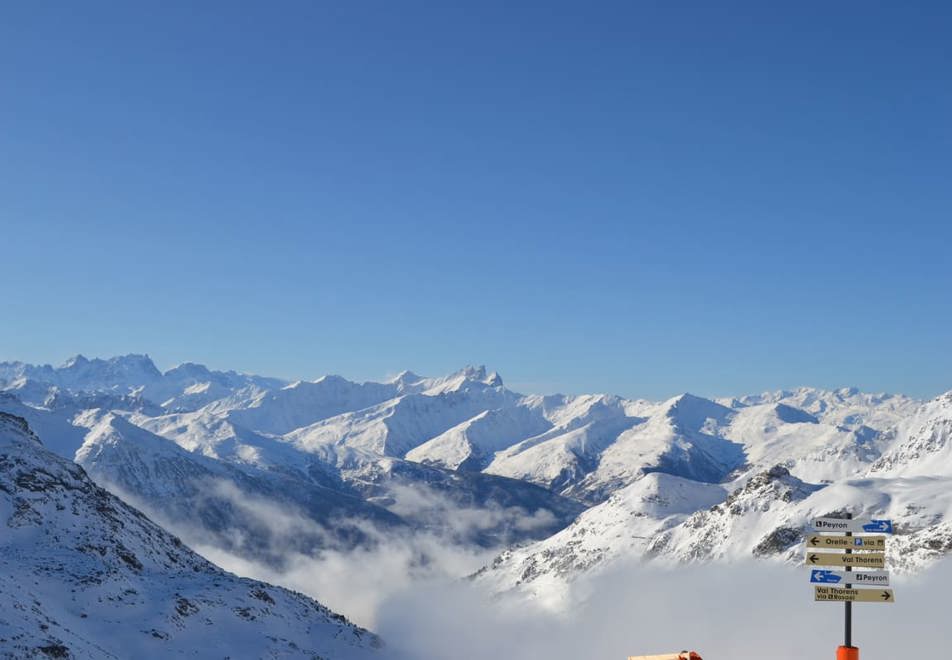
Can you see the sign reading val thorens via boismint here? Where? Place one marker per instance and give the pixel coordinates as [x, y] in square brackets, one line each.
[847, 542]
[854, 526]
[857, 578]
[853, 595]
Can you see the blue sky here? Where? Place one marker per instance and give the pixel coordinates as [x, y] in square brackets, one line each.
[636, 197]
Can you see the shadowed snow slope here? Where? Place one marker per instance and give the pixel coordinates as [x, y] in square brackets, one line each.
[86, 576]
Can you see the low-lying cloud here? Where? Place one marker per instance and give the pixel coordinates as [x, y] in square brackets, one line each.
[358, 582]
[354, 581]
[725, 612]
[410, 587]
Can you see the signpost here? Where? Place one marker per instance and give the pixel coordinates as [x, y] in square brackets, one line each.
[838, 578]
[853, 595]
[837, 586]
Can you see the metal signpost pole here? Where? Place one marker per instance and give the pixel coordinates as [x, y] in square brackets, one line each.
[849, 604]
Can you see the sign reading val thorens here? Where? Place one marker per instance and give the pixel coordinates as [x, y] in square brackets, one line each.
[843, 525]
[868, 560]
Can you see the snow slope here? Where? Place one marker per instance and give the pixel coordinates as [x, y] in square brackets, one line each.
[84, 575]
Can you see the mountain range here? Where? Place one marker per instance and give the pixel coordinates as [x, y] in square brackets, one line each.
[570, 484]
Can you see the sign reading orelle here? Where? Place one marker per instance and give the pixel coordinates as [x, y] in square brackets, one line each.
[858, 578]
[847, 542]
[855, 526]
[869, 560]
[836, 594]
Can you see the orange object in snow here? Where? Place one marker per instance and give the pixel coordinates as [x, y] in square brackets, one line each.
[683, 655]
[847, 653]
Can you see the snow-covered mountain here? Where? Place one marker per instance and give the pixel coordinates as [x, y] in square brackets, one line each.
[686, 479]
[196, 470]
[84, 575]
[181, 486]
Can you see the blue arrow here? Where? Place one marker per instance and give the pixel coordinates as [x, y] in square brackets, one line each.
[824, 577]
[881, 526]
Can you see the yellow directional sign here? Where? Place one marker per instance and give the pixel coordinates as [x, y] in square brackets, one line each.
[866, 560]
[835, 594]
[847, 542]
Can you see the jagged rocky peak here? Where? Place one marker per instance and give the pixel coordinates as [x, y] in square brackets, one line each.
[770, 485]
[473, 372]
[78, 360]
[408, 380]
[773, 474]
[480, 374]
[129, 362]
[121, 371]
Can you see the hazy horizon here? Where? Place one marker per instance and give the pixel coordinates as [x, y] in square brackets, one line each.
[523, 387]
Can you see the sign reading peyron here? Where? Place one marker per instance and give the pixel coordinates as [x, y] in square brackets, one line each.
[859, 578]
[835, 594]
[854, 526]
